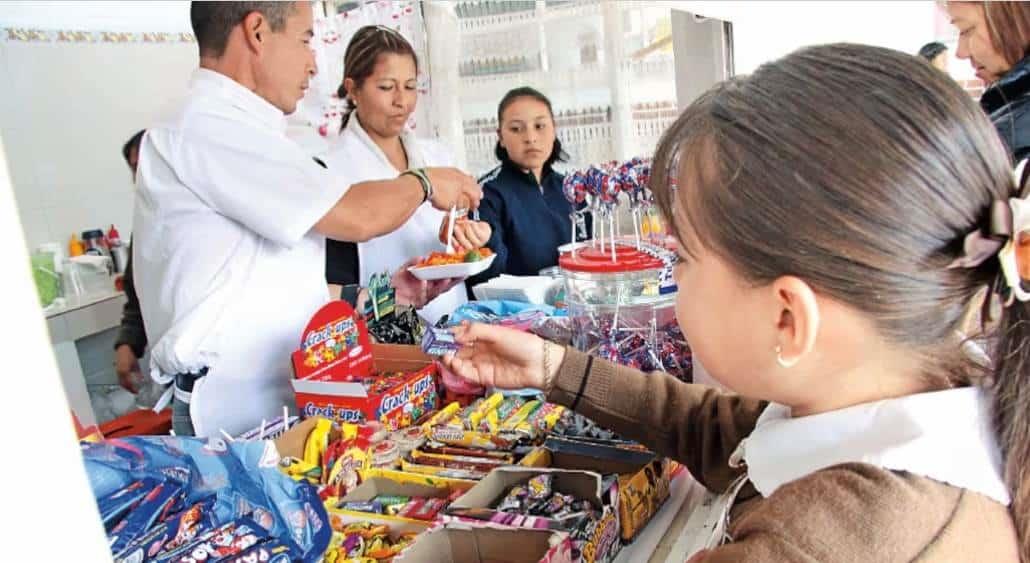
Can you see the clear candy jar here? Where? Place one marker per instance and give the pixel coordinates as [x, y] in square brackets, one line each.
[623, 310]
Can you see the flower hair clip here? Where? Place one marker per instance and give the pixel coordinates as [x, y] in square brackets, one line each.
[1007, 236]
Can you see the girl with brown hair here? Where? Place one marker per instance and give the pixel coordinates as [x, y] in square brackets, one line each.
[995, 37]
[824, 286]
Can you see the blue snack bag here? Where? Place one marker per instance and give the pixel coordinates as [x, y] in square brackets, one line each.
[224, 542]
[153, 508]
[273, 551]
[115, 505]
[176, 531]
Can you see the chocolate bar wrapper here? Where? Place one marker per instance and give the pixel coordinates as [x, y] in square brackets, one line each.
[456, 462]
[501, 457]
[153, 508]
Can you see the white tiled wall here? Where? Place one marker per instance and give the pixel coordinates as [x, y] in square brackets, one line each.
[65, 111]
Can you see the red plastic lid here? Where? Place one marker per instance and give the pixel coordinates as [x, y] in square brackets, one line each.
[627, 259]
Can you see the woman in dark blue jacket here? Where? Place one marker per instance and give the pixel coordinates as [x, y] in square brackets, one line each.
[522, 198]
[995, 37]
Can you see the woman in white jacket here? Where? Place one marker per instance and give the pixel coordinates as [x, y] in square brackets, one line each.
[380, 86]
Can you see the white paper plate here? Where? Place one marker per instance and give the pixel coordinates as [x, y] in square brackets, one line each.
[462, 270]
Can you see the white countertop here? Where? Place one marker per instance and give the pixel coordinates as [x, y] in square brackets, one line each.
[74, 302]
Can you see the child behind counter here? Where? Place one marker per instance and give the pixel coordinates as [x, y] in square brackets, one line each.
[837, 213]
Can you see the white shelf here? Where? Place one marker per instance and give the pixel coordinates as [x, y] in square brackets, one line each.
[505, 22]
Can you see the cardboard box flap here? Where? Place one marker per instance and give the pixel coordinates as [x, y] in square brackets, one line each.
[462, 544]
[340, 388]
[376, 486]
[581, 484]
[334, 346]
[618, 456]
[399, 357]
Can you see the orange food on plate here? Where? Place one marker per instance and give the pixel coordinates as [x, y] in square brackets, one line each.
[443, 258]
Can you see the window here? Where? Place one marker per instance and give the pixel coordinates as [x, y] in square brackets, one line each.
[608, 68]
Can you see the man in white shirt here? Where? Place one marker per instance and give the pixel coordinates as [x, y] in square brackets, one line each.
[231, 219]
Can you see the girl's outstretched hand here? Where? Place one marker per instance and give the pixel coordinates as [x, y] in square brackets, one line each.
[494, 356]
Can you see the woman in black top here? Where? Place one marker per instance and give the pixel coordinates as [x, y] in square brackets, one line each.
[522, 198]
[995, 37]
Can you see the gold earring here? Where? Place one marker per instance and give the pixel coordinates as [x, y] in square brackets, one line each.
[786, 364]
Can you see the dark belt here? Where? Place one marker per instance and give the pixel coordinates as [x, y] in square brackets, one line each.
[184, 384]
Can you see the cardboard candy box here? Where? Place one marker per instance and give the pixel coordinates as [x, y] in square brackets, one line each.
[597, 543]
[643, 477]
[334, 373]
[468, 542]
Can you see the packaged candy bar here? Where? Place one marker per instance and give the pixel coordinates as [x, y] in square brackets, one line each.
[385, 454]
[540, 486]
[557, 503]
[362, 506]
[494, 418]
[472, 458]
[153, 508]
[480, 412]
[272, 551]
[503, 457]
[174, 532]
[439, 341]
[546, 417]
[460, 420]
[225, 541]
[524, 412]
[391, 504]
[443, 415]
[445, 472]
[409, 438]
[414, 506]
[454, 462]
[429, 509]
[117, 504]
[515, 500]
[387, 500]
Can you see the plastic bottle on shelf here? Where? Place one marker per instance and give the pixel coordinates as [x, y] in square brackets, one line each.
[119, 250]
[75, 247]
[93, 242]
[114, 238]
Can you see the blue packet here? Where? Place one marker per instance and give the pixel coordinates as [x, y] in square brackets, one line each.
[117, 504]
[439, 341]
[153, 508]
[176, 531]
[224, 542]
[273, 551]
